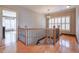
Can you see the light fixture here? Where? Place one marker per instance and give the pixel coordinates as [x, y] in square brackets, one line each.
[68, 6]
[48, 16]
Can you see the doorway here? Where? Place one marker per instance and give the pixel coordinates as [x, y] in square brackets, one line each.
[9, 27]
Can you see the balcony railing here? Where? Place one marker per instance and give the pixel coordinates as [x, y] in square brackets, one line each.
[35, 36]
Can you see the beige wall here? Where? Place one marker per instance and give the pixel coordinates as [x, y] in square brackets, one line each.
[70, 12]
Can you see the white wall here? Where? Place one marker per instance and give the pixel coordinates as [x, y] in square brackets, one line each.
[77, 23]
[31, 19]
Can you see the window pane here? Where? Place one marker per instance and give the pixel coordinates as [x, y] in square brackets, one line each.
[59, 26]
[63, 26]
[50, 25]
[6, 23]
[53, 25]
[63, 19]
[52, 20]
[67, 19]
[13, 24]
[56, 20]
[56, 25]
[9, 13]
[59, 20]
[3, 21]
[68, 27]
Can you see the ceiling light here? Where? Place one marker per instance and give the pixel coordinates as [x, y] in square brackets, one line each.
[48, 16]
[68, 6]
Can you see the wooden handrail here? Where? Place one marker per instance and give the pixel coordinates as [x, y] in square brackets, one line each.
[36, 28]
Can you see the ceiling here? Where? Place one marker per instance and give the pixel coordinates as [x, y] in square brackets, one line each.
[43, 9]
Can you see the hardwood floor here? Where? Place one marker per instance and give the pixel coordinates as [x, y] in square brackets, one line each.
[66, 44]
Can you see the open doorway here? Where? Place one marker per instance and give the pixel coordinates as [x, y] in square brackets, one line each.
[9, 27]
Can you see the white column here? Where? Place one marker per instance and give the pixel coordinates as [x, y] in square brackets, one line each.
[77, 23]
[0, 27]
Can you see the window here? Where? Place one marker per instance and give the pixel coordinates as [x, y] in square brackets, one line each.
[56, 20]
[52, 20]
[59, 22]
[63, 22]
[63, 26]
[9, 19]
[67, 23]
[9, 13]
[67, 26]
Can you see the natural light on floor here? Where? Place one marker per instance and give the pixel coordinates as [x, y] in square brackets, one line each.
[64, 43]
